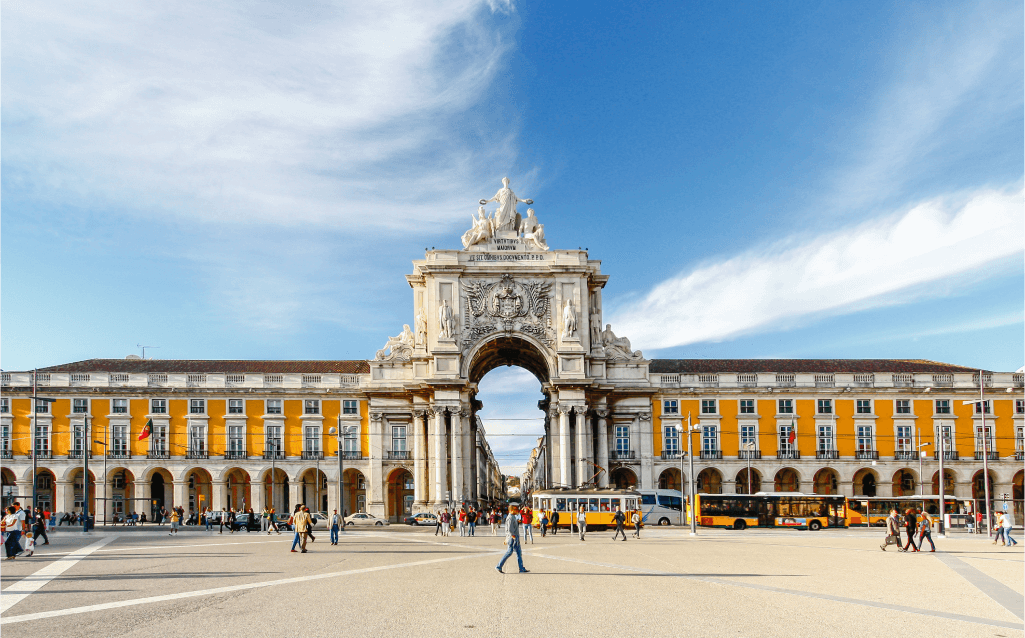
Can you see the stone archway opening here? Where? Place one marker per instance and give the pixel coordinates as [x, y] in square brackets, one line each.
[10, 487]
[865, 483]
[710, 481]
[904, 482]
[948, 483]
[354, 484]
[669, 479]
[787, 480]
[623, 478]
[742, 482]
[239, 490]
[399, 501]
[826, 481]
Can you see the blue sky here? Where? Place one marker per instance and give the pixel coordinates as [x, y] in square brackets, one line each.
[813, 179]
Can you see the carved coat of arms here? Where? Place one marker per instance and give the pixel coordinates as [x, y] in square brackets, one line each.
[507, 305]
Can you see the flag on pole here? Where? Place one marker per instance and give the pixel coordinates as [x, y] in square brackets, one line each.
[793, 430]
[146, 430]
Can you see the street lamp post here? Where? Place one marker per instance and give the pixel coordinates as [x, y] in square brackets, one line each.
[35, 450]
[690, 483]
[942, 451]
[86, 448]
[750, 450]
[985, 449]
[921, 455]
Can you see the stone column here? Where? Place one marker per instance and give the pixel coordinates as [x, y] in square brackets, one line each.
[142, 491]
[64, 497]
[647, 451]
[603, 446]
[458, 419]
[440, 458]
[295, 493]
[419, 458]
[565, 478]
[256, 494]
[376, 488]
[474, 461]
[219, 496]
[583, 439]
[179, 494]
[466, 441]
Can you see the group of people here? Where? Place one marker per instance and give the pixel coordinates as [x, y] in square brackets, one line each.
[915, 522]
[28, 523]
[466, 520]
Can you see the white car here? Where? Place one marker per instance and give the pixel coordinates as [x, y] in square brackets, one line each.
[362, 518]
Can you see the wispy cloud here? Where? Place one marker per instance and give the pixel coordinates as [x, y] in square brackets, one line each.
[511, 418]
[330, 114]
[956, 87]
[852, 269]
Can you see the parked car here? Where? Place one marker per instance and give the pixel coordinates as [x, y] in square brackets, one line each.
[362, 518]
[246, 521]
[423, 518]
[282, 522]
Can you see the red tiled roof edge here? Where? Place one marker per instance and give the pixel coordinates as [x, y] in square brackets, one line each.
[820, 366]
[213, 366]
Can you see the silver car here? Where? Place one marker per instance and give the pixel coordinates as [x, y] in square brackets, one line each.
[362, 518]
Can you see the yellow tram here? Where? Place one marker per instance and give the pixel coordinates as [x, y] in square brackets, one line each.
[600, 505]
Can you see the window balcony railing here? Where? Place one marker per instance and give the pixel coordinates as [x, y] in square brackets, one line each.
[195, 454]
[673, 455]
[77, 454]
[827, 454]
[1018, 456]
[621, 455]
[711, 454]
[119, 455]
[312, 455]
[948, 455]
[396, 455]
[235, 455]
[788, 454]
[749, 454]
[6, 454]
[278, 455]
[905, 455]
[42, 454]
[158, 455]
[353, 455]
[990, 456]
[867, 455]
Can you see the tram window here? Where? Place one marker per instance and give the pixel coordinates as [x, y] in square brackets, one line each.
[604, 504]
[672, 502]
[560, 504]
[571, 503]
[547, 503]
[615, 503]
[648, 499]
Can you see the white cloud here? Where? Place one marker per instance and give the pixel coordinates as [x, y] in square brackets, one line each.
[511, 418]
[337, 114]
[848, 269]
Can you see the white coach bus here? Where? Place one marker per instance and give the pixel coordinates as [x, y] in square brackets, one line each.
[661, 507]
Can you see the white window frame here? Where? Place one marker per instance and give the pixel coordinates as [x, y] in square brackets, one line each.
[241, 408]
[5, 437]
[948, 407]
[825, 437]
[270, 429]
[396, 446]
[861, 437]
[75, 405]
[311, 407]
[871, 407]
[908, 444]
[274, 406]
[741, 406]
[350, 439]
[119, 434]
[785, 406]
[5, 405]
[312, 439]
[158, 408]
[910, 405]
[230, 431]
[43, 434]
[706, 403]
[710, 433]
[991, 438]
[193, 428]
[619, 430]
[1019, 438]
[988, 407]
[42, 407]
[671, 439]
[115, 408]
[350, 406]
[1019, 406]
[197, 403]
[670, 406]
[823, 406]
[785, 446]
[158, 439]
[745, 438]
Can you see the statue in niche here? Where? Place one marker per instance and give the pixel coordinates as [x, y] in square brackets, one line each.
[401, 346]
[533, 232]
[481, 230]
[446, 320]
[569, 320]
[506, 215]
[421, 327]
[618, 347]
[595, 330]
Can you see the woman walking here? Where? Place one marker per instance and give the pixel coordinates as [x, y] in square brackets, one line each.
[910, 526]
[175, 519]
[925, 531]
[544, 523]
[494, 522]
[12, 528]
[1008, 525]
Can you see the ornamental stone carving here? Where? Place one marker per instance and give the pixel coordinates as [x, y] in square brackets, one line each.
[569, 320]
[398, 348]
[446, 321]
[618, 348]
[507, 305]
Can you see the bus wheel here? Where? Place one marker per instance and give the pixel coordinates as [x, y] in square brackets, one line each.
[814, 526]
[663, 521]
[739, 524]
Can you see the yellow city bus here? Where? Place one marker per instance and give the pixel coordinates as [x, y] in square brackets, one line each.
[601, 505]
[873, 510]
[776, 509]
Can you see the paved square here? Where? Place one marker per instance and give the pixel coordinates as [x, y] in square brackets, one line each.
[407, 581]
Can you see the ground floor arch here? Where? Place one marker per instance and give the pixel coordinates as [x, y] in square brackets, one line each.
[399, 498]
[979, 486]
[10, 486]
[670, 479]
[623, 478]
[826, 481]
[710, 481]
[199, 490]
[46, 485]
[312, 486]
[275, 490]
[748, 485]
[238, 489]
[74, 500]
[949, 482]
[161, 484]
[865, 482]
[354, 485]
[120, 495]
[787, 480]
[905, 482]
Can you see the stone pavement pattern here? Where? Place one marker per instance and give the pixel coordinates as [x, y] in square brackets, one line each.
[407, 581]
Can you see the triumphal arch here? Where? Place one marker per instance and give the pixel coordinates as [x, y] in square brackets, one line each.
[507, 298]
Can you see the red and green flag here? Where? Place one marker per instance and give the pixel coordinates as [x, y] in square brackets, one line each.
[146, 430]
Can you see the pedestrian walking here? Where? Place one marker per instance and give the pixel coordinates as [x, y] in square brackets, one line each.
[999, 529]
[300, 523]
[30, 544]
[582, 522]
[1007, 522]
[12, 527]
[544, 523]
[51, 519]
[265, 521]
[208, 519]
[309, 527]
[163, 516]
[471, 520]
[527, 518]
[555, 522]
[39, 527]
[892, 531]
[462, 521]
[336, 521]
[620, 519]
[925, 531]
[910, 527]
[635, 518]
[438, 525]
[175, 519]
[512, 540]
[494, 518]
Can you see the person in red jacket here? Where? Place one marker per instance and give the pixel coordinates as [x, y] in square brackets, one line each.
[527, 518]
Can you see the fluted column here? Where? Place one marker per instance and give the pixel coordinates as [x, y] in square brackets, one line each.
[467, 450]
[457, 456]
[647, 451]
[583, 439]
[375, 482]
[603, 446]
[419, 458]
[219, 495]
[564, 447]
[440, 457]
